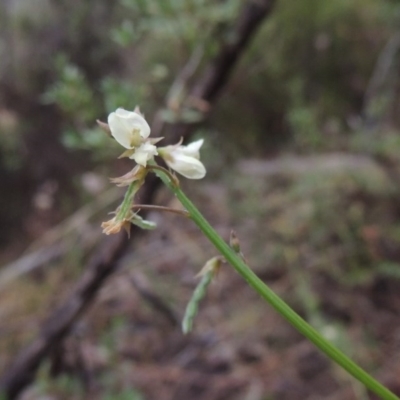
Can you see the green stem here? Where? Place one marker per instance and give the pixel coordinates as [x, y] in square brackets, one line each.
[126, 204]
[276, 302]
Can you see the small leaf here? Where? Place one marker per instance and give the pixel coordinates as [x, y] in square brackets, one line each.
[193, 305]
[143, 223]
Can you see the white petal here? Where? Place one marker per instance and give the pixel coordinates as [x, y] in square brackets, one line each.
[120, 130]
[193, 148]
[121, 112]
[189, 167]
[144, 153]
[125, 126]
[135, 121]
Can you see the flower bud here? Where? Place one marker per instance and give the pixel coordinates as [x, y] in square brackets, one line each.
[184, 159]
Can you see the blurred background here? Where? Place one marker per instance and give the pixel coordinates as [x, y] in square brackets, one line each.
[302, 149]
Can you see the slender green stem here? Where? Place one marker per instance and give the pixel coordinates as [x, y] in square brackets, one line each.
[276, 302]
[126, 205]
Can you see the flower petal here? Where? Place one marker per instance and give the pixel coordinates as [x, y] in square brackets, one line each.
[192, 149]
[128, 128]
[135, 121]
[187, 166]
[121, 112]
[144, 153]
[120, 130]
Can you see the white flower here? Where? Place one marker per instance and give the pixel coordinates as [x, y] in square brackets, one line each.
[131, 131]
[128, 128]
[145, 152]
[184, 159]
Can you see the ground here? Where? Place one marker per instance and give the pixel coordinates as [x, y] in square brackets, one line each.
[314, 229]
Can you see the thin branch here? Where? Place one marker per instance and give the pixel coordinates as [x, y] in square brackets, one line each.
[182, 213]
[141, 284]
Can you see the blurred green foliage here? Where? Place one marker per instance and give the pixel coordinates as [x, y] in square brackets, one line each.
[72, 92]
[152, 28]
[300, 84]
[175, 21]
[66, 386]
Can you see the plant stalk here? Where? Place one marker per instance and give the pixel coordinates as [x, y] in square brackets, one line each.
[275, 301]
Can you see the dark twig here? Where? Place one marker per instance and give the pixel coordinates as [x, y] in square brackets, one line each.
[140, 283]
[207, 88]
[218, 72]
[105, 260]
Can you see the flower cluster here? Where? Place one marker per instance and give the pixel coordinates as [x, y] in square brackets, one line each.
[130, 130]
